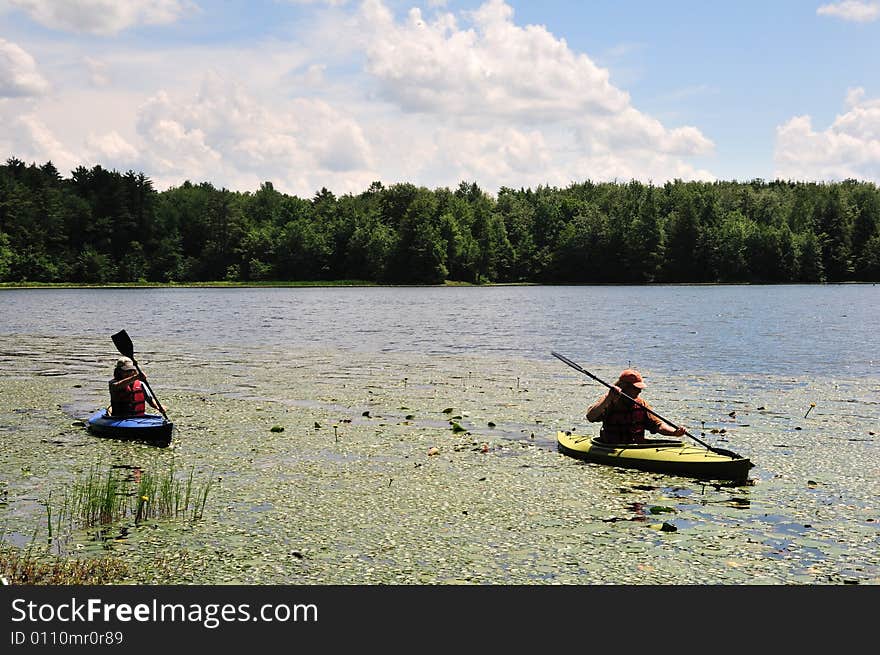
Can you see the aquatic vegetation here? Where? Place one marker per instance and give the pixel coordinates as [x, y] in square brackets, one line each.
[100, 497]
[374, 500]
[660, 509]
[164, 496]
[32, 566]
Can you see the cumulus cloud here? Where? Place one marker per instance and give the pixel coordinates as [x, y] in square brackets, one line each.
[852, 10]
[225, 133]
[513, 100]
[31, 140]
[631, 130]
[849, 148]
[18, 72]
[112, 150]
[102, 17]
[472, 96]
[431, 98]
[492, 69]
[504, 154]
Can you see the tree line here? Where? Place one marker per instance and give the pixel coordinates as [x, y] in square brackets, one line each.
[103, 226]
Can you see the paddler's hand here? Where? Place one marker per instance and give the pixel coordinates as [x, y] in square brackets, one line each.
[679, 431]
[613, 392]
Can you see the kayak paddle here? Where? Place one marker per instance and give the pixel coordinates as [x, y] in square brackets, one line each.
[585, 372]
[124, 345]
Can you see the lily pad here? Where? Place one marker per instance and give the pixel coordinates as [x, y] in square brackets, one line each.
[661, 509]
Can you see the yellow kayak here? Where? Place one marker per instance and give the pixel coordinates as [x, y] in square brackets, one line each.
[658, 455]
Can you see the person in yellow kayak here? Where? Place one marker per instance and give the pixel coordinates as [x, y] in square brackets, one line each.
[128, 397]
[624, 421]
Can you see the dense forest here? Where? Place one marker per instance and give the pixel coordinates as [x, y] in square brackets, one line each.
[102, 226]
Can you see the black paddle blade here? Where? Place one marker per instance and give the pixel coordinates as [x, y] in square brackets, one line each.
[123, 343]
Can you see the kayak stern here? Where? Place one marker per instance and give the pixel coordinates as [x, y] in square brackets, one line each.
[148, 428]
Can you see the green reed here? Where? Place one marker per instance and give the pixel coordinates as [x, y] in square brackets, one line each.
[94, 498]
[99, 497]
[167, 496]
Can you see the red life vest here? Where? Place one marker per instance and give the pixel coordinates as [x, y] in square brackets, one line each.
[624, 422]
[130, 400]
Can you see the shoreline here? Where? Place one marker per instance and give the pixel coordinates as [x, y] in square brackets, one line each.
[365, 283]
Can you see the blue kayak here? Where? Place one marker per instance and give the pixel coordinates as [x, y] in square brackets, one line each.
[149, 427]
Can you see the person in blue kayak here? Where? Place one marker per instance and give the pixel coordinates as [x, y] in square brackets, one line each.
[625, 421]
[128, 396]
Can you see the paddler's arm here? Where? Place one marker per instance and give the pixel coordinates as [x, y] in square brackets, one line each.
[119, 384]
[670, 431]
[655, 425]
[153, 402]
[597, 410]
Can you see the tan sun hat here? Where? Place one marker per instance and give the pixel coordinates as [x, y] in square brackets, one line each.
[125, 364]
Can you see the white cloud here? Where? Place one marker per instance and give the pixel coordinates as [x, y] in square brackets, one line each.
[331, 3]
[849, 148]
[630, 130]
[852, 10]
[494, 69]
[225, 135]
[102, 17]
[112, 150]
[314, 76]
[31, 140]
[98, 71]
[504, 154]
[492, 87]
[18, 73]
[361, 95]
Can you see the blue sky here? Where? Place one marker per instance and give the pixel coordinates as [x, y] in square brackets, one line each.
[337, 94]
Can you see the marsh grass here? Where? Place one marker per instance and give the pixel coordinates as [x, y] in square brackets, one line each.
[166, 496]
[97, 498]
[102, 497]
[32, 566]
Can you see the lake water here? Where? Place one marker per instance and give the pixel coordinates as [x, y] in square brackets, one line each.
[777, 330]
[366, 381]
